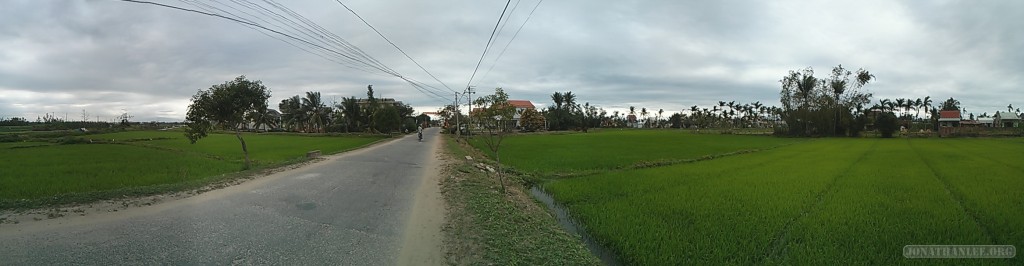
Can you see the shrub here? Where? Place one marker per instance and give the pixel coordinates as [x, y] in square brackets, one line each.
[886, 124]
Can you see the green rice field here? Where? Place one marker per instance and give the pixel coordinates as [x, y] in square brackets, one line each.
[612, 149]
[35, 170]
[817, 202]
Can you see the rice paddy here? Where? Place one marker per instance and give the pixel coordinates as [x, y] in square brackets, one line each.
[822, 201]
[36, 170]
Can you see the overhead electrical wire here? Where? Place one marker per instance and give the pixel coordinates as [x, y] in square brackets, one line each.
[319, 41]
[393, 44]
[512, 39]
[488, 46]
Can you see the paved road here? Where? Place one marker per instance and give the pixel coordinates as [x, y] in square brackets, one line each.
[348, 210]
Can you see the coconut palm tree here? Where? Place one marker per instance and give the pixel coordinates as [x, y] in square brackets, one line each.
[660, 113]
[917, 107]
[351, 112]
[292, 116]
[927, 103]
[643, 113]
[262, 117]
[570, 101]
[314, 108]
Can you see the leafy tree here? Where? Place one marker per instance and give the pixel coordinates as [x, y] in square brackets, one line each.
[887, 124]
[676, 119]
[531, 120]
[386, 119]
[225, 107]
[813, 106]
[495, 115]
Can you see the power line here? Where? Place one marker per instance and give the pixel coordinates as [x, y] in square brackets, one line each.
[513, 38]
[488, 46]
[393, 44]
[353, 57]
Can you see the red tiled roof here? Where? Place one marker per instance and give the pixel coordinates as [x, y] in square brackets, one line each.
[521, 104]
[949, 114]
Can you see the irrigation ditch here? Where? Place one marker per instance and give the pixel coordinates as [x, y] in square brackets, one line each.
[573, 226]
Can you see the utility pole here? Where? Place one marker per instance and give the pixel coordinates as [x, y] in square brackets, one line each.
[458, 130]
[469, 99]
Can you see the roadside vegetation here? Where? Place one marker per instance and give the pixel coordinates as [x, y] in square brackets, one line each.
[487, 227]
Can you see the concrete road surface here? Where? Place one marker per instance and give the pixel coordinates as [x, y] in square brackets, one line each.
[351, 209]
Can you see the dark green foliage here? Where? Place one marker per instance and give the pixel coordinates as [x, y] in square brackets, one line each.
[951, 105]
[386, 119]
[814, 106]
[565, 114]
[225, 107]
[676, 119]
[887, 124]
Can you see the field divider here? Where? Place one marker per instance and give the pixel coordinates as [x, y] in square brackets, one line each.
[659, 163]
[775, 248]
[953, 194]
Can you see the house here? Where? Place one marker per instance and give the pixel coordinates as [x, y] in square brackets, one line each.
[363, 102]
[949, 118]
[1006, 119]
[435, 118]
[521, 106]
[986, 121]
[274, 122]
[631, 121]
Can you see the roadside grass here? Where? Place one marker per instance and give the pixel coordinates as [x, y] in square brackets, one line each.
[45, 174]
[484, 227]
[581, 153]
[853, 201]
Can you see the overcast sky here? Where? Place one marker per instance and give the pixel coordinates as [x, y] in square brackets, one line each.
[107, 56]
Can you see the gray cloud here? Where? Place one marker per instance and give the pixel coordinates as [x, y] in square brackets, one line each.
[105, 56]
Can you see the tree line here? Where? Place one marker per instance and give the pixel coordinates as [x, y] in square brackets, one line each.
[242, 104]
[832, 105]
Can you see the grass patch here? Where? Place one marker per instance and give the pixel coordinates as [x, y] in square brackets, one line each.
[41, 173]
[484, 227]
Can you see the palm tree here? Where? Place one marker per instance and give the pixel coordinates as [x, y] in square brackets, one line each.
[313, 107]
[570, 101]
[558, 99]
[351, 112]
[643, 113]
[262, 117]
[917, 107]
[760, 111]
[927, 103]
[660, 113]
[291, 113]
